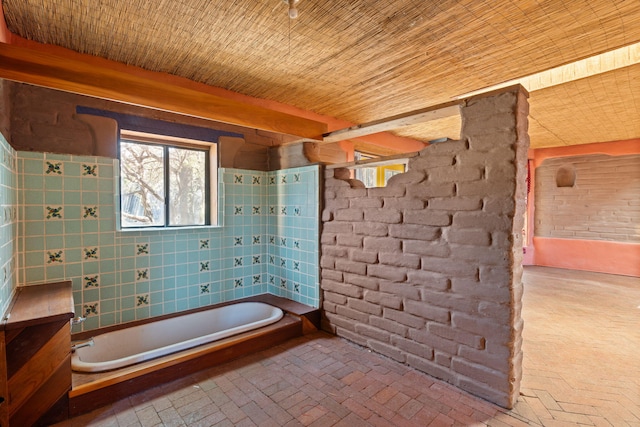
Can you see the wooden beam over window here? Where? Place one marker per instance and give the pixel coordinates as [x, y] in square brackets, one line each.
[395, 122]
[71, 75]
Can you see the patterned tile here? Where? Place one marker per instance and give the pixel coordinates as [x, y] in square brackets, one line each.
[91, 281]
[89, 170]
[142, 274]
[55, 256]
[142, 300]
[54, 168]
[54, 212]
[90, 309]
[90, 212]
[91, 253]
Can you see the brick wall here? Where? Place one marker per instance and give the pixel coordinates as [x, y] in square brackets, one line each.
[603, 203]
[427, 270]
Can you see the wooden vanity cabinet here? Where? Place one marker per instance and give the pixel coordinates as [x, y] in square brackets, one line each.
[35, 356]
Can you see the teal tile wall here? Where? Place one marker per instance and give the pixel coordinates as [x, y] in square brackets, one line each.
[292, 233]
[68, 231]
[8, 223]
[272, 219]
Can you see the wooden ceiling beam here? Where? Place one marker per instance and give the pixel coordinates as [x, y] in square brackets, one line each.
[70, 75]
[423, 115]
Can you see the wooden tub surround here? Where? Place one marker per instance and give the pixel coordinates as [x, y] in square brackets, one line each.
[35, 356]
[37, 386]
[91, 391]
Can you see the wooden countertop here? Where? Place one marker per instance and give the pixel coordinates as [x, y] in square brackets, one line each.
[33, 305]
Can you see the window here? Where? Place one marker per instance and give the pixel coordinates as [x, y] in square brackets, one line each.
[378, 174]
[166, 181]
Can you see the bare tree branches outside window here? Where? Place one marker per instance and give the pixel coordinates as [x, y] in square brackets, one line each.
[148, 172]
[187, 186]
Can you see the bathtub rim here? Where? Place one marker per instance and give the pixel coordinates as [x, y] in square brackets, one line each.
[311, 314]
[105, 366]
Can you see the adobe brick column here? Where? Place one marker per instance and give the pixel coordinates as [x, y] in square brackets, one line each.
[496, 128]
[428, 270]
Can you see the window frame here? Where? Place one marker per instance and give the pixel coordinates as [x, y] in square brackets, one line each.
[211, 176]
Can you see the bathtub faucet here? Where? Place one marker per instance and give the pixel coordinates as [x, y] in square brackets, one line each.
[80, 344]
[78, 320]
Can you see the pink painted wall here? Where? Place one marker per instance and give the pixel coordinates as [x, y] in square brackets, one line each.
[589, 255]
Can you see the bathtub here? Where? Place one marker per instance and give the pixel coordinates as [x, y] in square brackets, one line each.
[137, 344]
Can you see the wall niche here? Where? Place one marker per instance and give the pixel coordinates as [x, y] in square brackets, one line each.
[566, 176]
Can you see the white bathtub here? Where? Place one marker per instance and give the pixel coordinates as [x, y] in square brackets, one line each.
[136, 344]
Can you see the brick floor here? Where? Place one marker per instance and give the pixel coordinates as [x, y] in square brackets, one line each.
[581, 368]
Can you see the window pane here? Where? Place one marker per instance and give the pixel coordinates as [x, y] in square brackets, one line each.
[187, 186]
[142, 184]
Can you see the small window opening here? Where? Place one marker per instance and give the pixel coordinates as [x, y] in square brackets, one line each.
[379, 173]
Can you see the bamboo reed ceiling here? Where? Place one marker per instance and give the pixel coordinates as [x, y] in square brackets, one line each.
[600, 106]
[363, 60]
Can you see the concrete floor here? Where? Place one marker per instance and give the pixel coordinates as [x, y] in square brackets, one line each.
[581, 367]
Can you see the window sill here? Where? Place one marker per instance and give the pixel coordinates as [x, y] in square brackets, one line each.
[192, 227]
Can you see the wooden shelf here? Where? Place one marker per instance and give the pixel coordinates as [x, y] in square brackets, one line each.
[38, 304]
